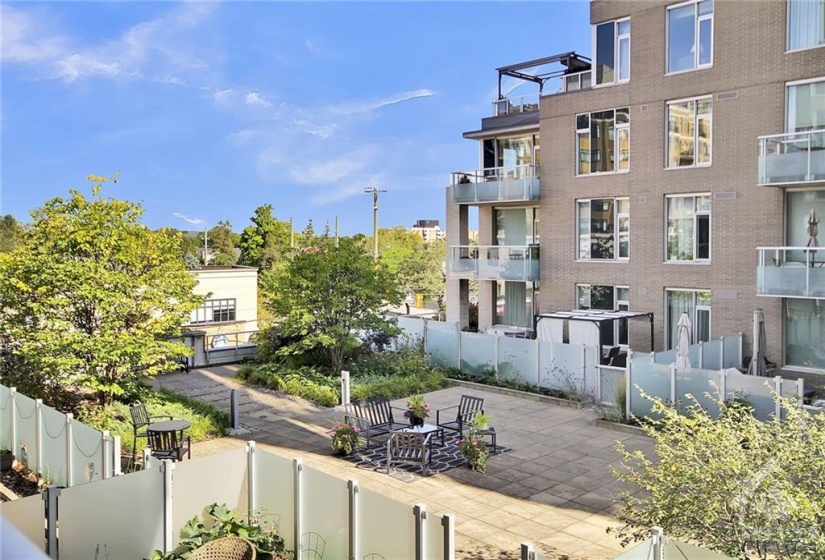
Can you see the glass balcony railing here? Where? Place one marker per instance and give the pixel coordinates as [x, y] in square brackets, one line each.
[495, 184]
[797, 157]
[792, 272]
[532, 102]
[495, 262]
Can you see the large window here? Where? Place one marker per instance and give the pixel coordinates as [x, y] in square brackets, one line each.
[688, 227]
[214, 311]
[514, 303]
[601, 223]
[806, 106]
[696, 303]
[612, 51]
[689, 125]
[609, 298]
[603, 141]
[690, 36]
[509, 157]
[517, 226]
[805, 333]
[806, 24]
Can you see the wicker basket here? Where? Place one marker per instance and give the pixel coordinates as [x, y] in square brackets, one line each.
[227, 548]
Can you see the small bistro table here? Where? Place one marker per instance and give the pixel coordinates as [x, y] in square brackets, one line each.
[169, 441]
[169, 426]
[436, 431]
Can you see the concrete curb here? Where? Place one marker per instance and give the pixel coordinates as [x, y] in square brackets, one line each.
[520, 394]
[616, 427]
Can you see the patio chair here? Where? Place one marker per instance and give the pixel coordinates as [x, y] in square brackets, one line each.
[226, 548]
[374, 556]
[312, 546]
[409, 447]
[457, 417]
[170, 445]
[141, 419]
[373, 417]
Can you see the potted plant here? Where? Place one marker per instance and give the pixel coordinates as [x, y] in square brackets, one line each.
[345, 438]
[417, 410]
[475, 451]
[480, 421]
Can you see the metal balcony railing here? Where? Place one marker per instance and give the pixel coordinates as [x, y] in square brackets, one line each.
[793, 272]
[495, 184]
[532, 102]
[494, 262]
[793, 158]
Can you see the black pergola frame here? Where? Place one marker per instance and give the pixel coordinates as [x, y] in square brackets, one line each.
[597, 316]
[573, 62]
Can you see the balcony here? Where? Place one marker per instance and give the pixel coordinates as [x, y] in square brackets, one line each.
[794, 158]
[495, 184]
[792, 272]
[495, 262]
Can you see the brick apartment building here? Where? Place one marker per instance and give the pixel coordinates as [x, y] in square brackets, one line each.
[676, 170]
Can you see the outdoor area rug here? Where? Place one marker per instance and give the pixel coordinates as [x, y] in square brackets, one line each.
[443, 458]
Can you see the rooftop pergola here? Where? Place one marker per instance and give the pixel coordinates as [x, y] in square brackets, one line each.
[533, 70]
[597, 316]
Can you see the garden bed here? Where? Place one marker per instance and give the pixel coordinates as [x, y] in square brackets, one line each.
[21, 485]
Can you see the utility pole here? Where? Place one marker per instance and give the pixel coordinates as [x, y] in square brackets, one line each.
[291, 235]
[205, 247]
[374, 191]
[336, 231]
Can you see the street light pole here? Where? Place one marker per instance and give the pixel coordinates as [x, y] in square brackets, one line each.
[374, 191]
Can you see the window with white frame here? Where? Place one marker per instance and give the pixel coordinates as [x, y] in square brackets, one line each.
[599, 136]
[689, 36]
[694, 303]
[214, 311]
[609, 298]
[687, 219]
[612, 48]
[603, 229]
[689, 127]
[805, 106]
[806, 24]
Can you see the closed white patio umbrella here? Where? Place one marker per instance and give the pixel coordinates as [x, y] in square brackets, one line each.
[685, 330]
[757, 366]
[812, 228]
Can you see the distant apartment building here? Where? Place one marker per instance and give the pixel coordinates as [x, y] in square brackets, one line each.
[430, 230]
[682, 171]
[231, 305]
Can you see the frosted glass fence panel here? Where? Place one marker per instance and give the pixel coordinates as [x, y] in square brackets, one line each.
[27, 514]
[755, 390]
[386, 527]
[712, 357]
[789, 391]
[434, 535]
[643, 357]
[26, 444]
[561, 367]
[442, 343]
[699, 383]
[54, 446]
[413, 327]
[274, 493]
[87, 454]
[5, 417]
[120, 517]
[592, 355]
[477, 353]
[732, 345]
[325, 505]
[667, 357]
[220, 479]
[517, 359]
[695, 356]
[612, 384]
[654, 380]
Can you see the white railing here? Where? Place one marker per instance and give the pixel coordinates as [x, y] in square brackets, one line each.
[494, 262]
[796, 157]
[577, 81]
[521, 104]
[797, 272]
[496, 184]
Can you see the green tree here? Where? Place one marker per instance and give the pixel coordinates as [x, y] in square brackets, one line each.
[734, 484]
[93, 296]
[265, 241]
[221, 244]
[422, 271]
[325, 294]
[11, 233]
[396, 244]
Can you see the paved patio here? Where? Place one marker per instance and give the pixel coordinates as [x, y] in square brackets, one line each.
[554, 488]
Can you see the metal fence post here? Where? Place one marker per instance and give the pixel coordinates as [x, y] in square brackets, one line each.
[701, 355]
[251, 476]
[777, 387]
[723, 382]
[147, 458]
[354, 537]
[420, 513]
[50, 497]
[458, 346]
[116, 471]
[628, 387]
[69, 446]
[234, 410]
[495, 353]
[740, 357]
[298, 473]
[800, 391]
[448, 527]
[345, 387]
[424, 340]
[722, 354]
[38, 434]
[673, 384]
[104, 460]
[15, 453]
[584, 369]
[167, 467]
[657, 535]
[538, 362]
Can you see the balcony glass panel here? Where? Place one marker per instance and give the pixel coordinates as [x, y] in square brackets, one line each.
[797, 157]
[493, 262]
[793, 272]
[495, 184]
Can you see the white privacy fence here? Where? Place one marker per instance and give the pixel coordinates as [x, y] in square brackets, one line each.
[135, 514]
[54, 445]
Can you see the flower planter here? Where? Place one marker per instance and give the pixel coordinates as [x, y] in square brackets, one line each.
[5, 460]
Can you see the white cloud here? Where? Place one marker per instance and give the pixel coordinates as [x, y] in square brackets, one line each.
[338, 194]
[171, 80]
[369, 106]
[187, 219]
[256, 100]
[223, 95]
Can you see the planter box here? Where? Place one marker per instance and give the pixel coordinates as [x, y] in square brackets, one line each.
[5, 460]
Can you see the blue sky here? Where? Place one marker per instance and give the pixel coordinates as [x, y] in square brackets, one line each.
[208, 110]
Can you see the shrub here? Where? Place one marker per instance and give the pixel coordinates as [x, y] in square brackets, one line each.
[304, 382]
[345, 438]
[396, 387]
[407, 360]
